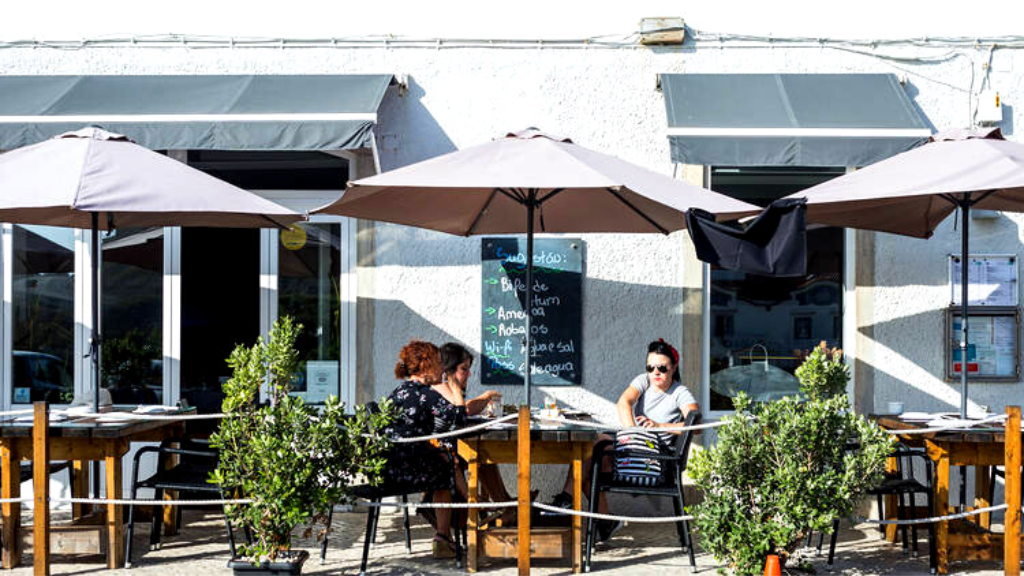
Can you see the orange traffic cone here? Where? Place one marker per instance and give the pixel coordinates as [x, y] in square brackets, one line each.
[771, 566]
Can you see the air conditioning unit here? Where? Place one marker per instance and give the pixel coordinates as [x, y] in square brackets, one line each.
[990, 108]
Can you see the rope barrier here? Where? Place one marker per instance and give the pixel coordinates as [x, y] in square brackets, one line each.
[15, 413]
[637, 519]
[460, 505]
[458, 432]
[932, 519]
[126, 502]
[603, 426]
[14, 500]
[127, 416]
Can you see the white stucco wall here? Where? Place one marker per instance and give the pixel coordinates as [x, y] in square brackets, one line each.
[427, 284]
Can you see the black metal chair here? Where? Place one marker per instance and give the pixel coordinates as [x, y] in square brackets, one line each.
[670, 484]
[189, 478]
[375, 494]
[905, 485]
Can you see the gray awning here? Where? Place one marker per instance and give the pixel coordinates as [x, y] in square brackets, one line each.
[196, 112]
[789, 119]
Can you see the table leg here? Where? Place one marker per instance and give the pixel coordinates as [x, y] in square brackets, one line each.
[523, 486]
[982, 489]
[79, 488]
[115, 524]
[11, 488]
[473, 518]
[941, 458]
[577, 505]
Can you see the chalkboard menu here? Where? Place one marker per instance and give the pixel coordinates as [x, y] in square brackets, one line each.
[557, 311]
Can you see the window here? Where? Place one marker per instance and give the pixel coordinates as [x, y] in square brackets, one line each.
[43, 303]
[762, 327]
[132, 323]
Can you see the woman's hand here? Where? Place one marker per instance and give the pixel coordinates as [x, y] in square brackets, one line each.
[646, 422]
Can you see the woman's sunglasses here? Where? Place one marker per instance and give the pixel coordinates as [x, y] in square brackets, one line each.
[663, 368]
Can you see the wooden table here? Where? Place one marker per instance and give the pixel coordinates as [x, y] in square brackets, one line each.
[547, 445]
[79, 442]
[982, 448]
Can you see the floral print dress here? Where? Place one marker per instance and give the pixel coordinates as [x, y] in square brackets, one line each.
[421, 411]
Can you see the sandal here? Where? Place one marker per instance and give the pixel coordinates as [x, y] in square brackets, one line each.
[443, 546]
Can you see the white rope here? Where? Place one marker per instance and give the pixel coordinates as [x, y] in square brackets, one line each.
[15, 413]
[958, 426]
[125, 502]
[664, 428]
[458, 432]
[14, 500]
[932, 519]
[637, 519]
[508, 504]
[127, 416]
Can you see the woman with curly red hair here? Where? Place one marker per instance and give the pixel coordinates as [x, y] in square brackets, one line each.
[425, 405]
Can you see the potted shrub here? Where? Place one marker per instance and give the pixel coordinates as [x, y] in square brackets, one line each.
[785, 467]
[293, 460]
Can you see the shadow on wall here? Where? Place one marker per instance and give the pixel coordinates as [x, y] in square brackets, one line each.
[403, 115]
[619, 320]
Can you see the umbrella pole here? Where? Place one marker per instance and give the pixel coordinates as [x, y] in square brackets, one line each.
[529, 294]
[965, 212]
[94, 342]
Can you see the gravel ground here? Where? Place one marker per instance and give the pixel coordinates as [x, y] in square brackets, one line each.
[638, 549]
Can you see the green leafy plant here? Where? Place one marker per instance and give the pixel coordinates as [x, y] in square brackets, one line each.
[293, 460]
[785, 467]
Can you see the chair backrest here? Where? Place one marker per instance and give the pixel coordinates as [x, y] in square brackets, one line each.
[683, 444]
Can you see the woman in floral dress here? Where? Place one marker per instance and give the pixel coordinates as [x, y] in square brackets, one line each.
[425, 405]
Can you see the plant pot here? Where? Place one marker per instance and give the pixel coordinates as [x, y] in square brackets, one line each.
[286, 564]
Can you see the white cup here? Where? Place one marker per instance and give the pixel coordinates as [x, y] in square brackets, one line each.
[895, 407]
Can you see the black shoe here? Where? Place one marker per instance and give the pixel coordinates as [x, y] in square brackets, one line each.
[561, 500]
[607, 528]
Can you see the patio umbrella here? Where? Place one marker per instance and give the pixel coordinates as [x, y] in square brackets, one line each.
[100, 180]
[912, 192]
[526, 181]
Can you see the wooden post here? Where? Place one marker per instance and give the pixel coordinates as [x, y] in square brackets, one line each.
[10, 478]
[1011, 540]
[41, 489]
[473, 518]
[523, 465]
[577, 504]
[115, 524]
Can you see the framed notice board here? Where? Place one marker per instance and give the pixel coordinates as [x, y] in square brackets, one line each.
[993, 347]
[557, 311]
[991, 280]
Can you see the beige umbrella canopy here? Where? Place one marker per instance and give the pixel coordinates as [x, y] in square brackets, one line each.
[530, 181]
[912, 192]
[100, 180]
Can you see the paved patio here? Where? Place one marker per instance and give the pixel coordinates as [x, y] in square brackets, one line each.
[638, 549]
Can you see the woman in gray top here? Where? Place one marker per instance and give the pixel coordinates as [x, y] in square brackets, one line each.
[654, 399]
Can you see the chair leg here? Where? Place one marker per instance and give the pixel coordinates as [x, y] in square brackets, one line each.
[408, 532]
[933, 556]
[913, 527]
[327, 533]
[821, 542]
[832, 541]
[592, 501]
[881, 514]
[158, 522]
[901, 513]
[368, 539]
[810, 536]
[131, 529]
[687, 540]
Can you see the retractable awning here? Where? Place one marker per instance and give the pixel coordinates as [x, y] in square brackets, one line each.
[327, 112]
[789, 119]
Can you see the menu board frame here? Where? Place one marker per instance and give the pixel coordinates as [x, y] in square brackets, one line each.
[1007, 291]
[952, 347]
[559, 269]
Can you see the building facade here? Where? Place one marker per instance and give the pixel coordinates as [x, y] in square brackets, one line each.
[364, 289]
